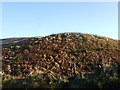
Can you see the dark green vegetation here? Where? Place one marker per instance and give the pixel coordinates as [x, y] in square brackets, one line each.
[63, 55]
[98, 81]
[37, 81]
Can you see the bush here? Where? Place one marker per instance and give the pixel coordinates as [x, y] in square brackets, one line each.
[96, 81]
[45, 80]
[38, 81]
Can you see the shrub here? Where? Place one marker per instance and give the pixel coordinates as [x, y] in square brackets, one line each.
[37, 81]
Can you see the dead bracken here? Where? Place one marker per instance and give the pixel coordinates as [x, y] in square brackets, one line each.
[63, 54]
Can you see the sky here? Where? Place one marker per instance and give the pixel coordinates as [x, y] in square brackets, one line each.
[28, 19]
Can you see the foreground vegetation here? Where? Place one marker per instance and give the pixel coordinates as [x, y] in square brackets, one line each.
[44, 80]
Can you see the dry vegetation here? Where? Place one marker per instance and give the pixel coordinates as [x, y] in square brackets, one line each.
[63, 54]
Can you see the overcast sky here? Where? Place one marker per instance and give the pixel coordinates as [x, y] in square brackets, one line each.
[26, 19]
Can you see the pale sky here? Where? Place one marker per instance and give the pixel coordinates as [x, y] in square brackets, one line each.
[27, 19]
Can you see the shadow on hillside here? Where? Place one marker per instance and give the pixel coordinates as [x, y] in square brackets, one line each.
[44, 81]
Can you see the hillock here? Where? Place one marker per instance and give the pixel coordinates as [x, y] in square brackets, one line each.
[62, 54]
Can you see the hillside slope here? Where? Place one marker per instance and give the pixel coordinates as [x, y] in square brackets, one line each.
[62, 54]
[12, 41]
